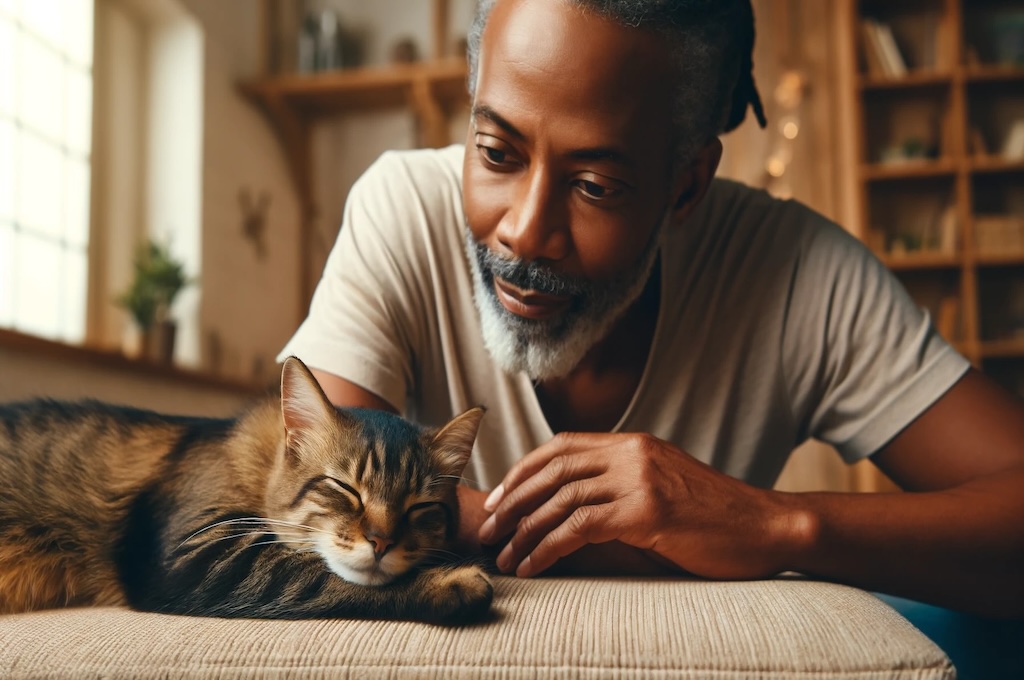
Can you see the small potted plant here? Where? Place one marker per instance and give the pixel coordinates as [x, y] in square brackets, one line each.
[159, 277]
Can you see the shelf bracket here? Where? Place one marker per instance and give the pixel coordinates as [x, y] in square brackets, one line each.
[430, 116]
[293, 132]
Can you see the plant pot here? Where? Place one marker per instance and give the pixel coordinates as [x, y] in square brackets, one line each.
[158, 342]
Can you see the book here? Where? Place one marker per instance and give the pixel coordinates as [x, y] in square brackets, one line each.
[1013, 147]
[948, 231]
[893, 57]
[873, 49]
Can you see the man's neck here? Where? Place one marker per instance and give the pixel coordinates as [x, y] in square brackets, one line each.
[597, 392]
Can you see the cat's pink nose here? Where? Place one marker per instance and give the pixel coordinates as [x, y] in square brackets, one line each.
[381, 544]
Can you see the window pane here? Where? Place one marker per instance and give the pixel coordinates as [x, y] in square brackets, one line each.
[74, 296]
[77, 39]
[7, 164]
[76, 202]
[40, 88]
[37, 295]
[7, 273]
[8, 41]
[78, 121]
[39, 186]
[42, 18]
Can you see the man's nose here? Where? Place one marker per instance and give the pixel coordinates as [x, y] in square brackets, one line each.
[535, 227]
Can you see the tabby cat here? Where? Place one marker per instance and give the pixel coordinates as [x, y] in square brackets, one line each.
[295, 509]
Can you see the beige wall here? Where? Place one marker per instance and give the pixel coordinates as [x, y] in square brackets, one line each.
[249, 306]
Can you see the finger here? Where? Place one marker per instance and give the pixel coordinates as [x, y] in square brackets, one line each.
[532, 529]
[587, 524]
[560, 444]
[538, 489]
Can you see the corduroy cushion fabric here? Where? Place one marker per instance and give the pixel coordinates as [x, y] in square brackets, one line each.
[573, 628]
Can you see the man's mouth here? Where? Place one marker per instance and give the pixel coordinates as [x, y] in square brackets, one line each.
[530, 304]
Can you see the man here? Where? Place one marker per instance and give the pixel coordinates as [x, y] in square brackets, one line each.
[652, 343]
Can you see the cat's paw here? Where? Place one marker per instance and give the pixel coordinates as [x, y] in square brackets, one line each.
[456, 595]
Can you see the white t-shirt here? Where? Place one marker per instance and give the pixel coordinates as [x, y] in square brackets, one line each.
[775, 325]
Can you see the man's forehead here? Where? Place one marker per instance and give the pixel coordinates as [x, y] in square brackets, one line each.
[580, 53]
[538, 28]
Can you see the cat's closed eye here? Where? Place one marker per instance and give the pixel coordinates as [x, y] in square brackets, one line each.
[346, 490]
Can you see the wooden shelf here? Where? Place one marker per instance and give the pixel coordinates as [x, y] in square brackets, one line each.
[995, 164]
[117, 361]
[993, 73]
[912, 80]
[1003, 349]
[360, 89]
[913, 169]
[1009, 259]
[921, 260]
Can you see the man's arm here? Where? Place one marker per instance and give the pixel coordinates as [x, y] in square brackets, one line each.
[344, 393]
[956, 540]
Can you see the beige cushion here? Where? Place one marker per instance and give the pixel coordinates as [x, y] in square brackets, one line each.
[595, 628]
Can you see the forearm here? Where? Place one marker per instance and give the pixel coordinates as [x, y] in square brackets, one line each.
[961, 548]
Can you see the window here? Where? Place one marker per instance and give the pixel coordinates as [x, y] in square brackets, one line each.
[46, 55]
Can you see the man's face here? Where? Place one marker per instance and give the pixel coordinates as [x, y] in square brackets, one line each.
[567, 178]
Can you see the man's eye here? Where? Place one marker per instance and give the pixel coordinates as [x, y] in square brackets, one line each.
[493, 155]
[595, 190]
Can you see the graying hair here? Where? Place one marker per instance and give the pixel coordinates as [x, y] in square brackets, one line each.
[712, 50]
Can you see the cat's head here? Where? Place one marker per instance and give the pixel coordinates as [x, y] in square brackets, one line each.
[373, 493]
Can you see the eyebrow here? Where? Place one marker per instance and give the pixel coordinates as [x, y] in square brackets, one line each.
[607, 154]
[484, 111]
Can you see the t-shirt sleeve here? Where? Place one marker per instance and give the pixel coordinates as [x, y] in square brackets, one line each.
[363, 319]
[862, 359]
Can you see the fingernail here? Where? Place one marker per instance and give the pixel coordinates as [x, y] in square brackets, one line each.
[487, 529]
[503, 559]
[495, 498]
[524, 569]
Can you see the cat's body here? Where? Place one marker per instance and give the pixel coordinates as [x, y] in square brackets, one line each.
[292, 510]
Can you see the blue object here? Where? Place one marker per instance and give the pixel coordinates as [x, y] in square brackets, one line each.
[981, 649]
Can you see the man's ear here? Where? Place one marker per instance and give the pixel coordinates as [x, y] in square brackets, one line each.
[691, 182]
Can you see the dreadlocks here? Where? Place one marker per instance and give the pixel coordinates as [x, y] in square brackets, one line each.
[712, 45]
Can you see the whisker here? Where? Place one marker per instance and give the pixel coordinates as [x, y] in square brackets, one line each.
[296, 538]
[252, 545]
[253, 520]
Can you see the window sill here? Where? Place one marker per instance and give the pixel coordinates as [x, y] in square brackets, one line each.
[116, 361]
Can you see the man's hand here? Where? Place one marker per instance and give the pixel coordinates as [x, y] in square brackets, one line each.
[641, 491]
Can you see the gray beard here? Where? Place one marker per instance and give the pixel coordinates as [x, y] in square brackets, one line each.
[551, 348]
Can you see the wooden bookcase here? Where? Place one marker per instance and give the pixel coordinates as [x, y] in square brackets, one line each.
[939, 200]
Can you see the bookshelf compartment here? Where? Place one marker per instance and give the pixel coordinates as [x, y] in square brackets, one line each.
[938, 292]
[914, 220]
[908, 125]
[992, 30]
[996, 119]
[998, 217]
[918, 31]
[1001, 306]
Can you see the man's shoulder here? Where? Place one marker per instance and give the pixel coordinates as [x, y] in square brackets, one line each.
[743, 210]
[419, 186]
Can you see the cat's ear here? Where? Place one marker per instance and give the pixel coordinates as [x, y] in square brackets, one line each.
[305, 407]
[453, 443]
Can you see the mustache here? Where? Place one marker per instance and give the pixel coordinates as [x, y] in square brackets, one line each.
[527, 275]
